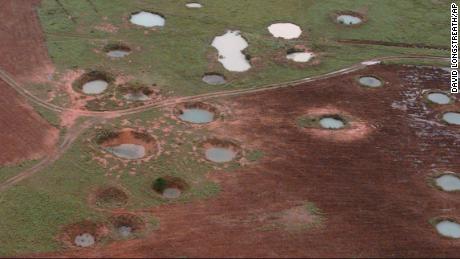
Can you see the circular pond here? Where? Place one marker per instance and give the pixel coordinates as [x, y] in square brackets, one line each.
[95, 87]
[300, 56]
[331, 123]
[93, 82]
[370, 81]
[198, 113]
[348, 19]
[127, 151]
[220, 151]
[451, 118]
[84, 240]
[438, 98]
[285, 30]
[448, 182]
[147, 19]
[220, 154]
[448, 228]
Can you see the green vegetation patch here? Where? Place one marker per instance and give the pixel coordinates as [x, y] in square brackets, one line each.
[177, 55]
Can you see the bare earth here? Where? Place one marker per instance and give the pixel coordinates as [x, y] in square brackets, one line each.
[25, 135]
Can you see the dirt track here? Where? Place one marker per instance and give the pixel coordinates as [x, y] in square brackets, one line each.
[16, 85]
[52, 154]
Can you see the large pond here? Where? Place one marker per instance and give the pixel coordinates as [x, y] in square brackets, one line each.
[95, 87]
[220, 154]
[230, 47]
[147, 19]
[448, 182]
[127, 151]
[196, 115]
[285, 30]
[448, 228]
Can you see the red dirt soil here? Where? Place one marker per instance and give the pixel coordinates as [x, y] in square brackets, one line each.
[23, 49]
[24, 134]
[371, 188]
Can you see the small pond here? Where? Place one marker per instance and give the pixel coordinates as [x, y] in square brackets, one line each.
[127, 151]
[220, 154]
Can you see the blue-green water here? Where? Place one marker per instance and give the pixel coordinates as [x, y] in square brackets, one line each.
[219, 154]
[196, 115]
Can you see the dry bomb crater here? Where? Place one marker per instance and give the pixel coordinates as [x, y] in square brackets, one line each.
[109, 197]
[83, 234]
[127, 225]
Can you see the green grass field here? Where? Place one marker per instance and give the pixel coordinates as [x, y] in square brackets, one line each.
[176, 56]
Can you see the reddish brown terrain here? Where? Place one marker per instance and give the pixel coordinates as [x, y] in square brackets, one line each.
[25, 135]
[370, 180]
[23, 50]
